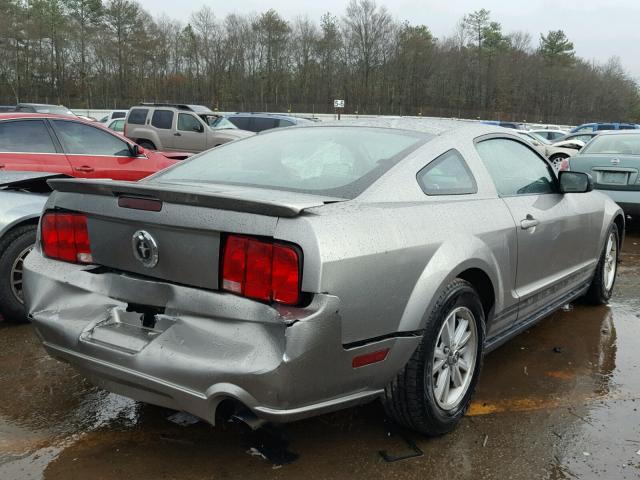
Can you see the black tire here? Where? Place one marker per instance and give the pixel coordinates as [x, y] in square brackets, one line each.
[598, 294]
[12, 245]
[409, 399]
[147, 144]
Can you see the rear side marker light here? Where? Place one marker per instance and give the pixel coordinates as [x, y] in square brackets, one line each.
[261, 270]
[369, 358]
[65, 236]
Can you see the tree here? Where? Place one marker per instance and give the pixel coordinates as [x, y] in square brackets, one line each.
[85, 15]
[555, 46]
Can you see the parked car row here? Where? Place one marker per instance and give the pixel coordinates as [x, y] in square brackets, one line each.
[243, 247]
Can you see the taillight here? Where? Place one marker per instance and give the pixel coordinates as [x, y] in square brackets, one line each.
[65, 237]
[262, 270]
[564, 165]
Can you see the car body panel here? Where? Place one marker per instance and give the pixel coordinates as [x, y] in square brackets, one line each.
[18, 204]
[373, 267]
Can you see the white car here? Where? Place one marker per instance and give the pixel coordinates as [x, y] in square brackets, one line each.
[556, 152]
[114, 114]
[549, 134]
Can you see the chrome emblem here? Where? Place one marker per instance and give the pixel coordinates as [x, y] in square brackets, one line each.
[145, 248]
[615, 161]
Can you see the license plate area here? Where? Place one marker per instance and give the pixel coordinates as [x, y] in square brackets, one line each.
[126, 331]
[613, 178]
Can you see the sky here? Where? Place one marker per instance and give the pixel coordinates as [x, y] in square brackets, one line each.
[599, 29]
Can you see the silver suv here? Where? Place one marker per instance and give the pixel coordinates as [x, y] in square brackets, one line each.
[178, 127]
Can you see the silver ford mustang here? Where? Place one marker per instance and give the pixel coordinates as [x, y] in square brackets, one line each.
[309, 269]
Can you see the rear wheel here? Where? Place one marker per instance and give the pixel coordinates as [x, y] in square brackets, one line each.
[433, 391]
[147, 144]
[13, 250]
[604, 279]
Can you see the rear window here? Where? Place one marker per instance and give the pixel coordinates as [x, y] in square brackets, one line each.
[624, 144]
[138, 116]
[333, 161]
[162, 119]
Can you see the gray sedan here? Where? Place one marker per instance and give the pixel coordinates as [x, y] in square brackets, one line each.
[309, 269]
[613, 158]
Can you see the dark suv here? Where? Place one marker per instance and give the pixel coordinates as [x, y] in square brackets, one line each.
[257, 122]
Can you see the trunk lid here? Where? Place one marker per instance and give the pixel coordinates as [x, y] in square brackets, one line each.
[610, 172]
[183, 225]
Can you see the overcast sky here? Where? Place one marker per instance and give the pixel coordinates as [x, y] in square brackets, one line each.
[599, 29]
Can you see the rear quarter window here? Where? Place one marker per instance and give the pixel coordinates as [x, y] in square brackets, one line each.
[447, 175]
[138, 116]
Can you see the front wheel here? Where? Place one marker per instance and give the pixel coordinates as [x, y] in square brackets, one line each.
[433, 391]
[13, 250]
[604, 279]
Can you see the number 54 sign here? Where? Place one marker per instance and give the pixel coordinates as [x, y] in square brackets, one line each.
[338, 104]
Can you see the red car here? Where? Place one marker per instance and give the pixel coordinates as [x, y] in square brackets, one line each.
[62, 144]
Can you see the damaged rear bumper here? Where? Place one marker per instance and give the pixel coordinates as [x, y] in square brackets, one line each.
[198, 348]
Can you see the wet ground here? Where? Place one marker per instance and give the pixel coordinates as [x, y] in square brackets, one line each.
[560, 401]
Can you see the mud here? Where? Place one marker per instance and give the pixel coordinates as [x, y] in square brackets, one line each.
[561, 401]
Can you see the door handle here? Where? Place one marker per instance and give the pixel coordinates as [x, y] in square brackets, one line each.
[84, 168]
[529, 222]
[177, 134]
[2, 165]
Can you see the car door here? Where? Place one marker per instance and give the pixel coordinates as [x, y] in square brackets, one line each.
[28, 144]
[190, 134]
[94, 152]
[557, 233]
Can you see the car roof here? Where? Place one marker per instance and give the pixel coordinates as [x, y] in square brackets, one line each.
[198, 109]
[266, 114]
[619, 132]
[16, 115]
[431, 126]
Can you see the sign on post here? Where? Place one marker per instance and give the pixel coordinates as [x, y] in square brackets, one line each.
[338, 106]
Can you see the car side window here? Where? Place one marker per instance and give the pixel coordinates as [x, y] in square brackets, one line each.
[138, 116]
[515, 168]
[447, 175]
[285, 123]
[241, 122]
[162, 119]
[29, 136]
[81, 139]
[188, 123]
[262, 123]
[119, 114]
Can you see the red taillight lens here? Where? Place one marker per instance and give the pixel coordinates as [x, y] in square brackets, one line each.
[65, 236]
[262, 270]
[564, 165]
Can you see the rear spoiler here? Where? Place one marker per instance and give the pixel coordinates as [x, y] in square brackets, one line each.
[224, 197]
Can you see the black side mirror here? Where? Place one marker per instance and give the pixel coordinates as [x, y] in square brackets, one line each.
[198, 128]
[135, 150]
[575, 182]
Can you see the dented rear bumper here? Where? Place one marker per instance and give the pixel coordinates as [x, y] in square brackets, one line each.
[202, 347]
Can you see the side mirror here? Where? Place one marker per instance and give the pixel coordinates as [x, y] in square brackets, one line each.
[198, 128]
[575, 182]
[136, 150]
